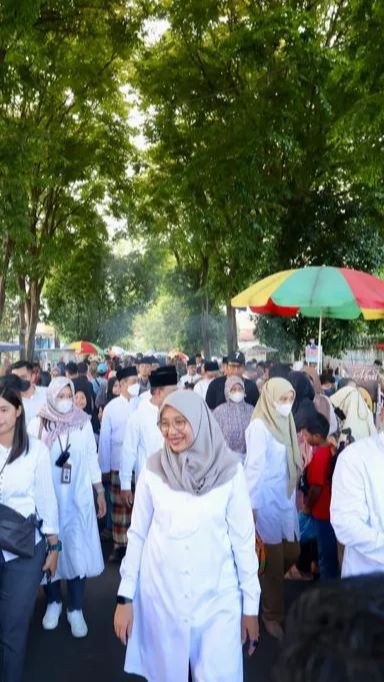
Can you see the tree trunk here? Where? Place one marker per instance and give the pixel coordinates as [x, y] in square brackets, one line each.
[5, 259]
[33, 307]
[231, 328]
[205, 326]
[29, 308]
[3, 283]
[22, 329]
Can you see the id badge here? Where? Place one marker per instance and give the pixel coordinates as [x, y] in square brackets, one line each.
[66, 473]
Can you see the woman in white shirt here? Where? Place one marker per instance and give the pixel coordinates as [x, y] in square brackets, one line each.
[189, 593]
[25, 487]
[272, 468]
[67, 432]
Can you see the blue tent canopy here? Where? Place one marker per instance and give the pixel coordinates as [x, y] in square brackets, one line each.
[8, 347]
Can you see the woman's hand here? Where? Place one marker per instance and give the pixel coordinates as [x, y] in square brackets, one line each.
[51, 562]
[101, 505]
[250, 631]
[123, 622]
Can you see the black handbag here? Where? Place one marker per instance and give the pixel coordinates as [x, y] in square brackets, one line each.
[17, 533]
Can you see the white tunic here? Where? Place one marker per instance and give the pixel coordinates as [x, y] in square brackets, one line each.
[81, 555]
[201, 387]
[113, 424]
[141, 440]
[33, 405]
[357, 506]
[26, 486]
[188, 379]
[266, 471]
[192, 569]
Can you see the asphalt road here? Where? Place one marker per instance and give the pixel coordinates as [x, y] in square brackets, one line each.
[57, 657]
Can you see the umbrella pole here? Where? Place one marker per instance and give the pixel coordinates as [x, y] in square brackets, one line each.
[319, 349]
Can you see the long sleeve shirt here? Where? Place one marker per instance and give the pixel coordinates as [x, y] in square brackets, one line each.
[141, 440]
[26, 486]
[357, 505]
[266, 472]
[217, 531]
[116, 415]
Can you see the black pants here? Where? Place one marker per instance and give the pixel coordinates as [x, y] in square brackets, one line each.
[308, 554]
[75, 592]
[19, 582]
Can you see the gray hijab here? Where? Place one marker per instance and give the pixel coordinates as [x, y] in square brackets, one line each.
[208, 463]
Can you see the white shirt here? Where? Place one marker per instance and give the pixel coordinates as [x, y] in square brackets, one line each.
[357, 506]
[201, 387]
[141, 440]
[26, 486]
[113, 424]
[266, 471]
[190, 562]
[33, 404]
[188, 379]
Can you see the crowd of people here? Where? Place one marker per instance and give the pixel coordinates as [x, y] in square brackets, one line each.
[215, 483]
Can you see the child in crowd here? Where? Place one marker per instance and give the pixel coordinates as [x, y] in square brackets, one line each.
[318, 499]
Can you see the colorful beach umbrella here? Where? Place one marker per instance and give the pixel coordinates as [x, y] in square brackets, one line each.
[322, 291]
[85, 348]
[177, 353]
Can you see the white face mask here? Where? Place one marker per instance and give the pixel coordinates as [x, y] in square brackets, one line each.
[284, 409]
[237, 397]
[134, 390]
[65, 405]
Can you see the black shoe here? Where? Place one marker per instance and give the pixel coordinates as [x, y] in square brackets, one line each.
[117, 555]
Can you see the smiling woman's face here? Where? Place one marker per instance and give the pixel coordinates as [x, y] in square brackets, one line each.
[176, 430]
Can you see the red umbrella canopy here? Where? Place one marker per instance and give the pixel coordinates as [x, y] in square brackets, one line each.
[321, 291]
[85, 348]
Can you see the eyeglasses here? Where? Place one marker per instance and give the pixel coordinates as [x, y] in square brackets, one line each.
[178, 424]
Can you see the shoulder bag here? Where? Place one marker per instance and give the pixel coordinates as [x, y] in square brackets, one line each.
[17, 533]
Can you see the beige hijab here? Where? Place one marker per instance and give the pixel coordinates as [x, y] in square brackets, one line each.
[282, 428]
[208, 462]
[358, 417]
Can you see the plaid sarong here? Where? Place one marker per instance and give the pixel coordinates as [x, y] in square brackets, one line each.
[121, 514]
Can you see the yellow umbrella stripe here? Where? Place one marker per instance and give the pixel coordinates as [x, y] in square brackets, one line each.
[76, 345]
[372, 314]
[259, 294]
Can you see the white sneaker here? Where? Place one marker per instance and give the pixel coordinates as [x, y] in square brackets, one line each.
[52, 615]
[77, 623]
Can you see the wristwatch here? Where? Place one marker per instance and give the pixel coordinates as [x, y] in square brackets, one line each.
[55, 548]
[123, 600]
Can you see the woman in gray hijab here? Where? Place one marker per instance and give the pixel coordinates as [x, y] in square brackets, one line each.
[234, 415]
[189, 592]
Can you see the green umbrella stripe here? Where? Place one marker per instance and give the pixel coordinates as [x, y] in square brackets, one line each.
[315, 287]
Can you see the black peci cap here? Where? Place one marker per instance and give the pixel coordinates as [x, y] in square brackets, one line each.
[163, 376]
[125, 372]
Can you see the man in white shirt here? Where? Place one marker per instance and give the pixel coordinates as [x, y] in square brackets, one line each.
[35, 396]
[357, 505]
[191, 377]
[142, 436]
[211, 371]
[116, 415]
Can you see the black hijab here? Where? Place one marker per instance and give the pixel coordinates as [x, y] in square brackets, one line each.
[303, 406]
[303, 387]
